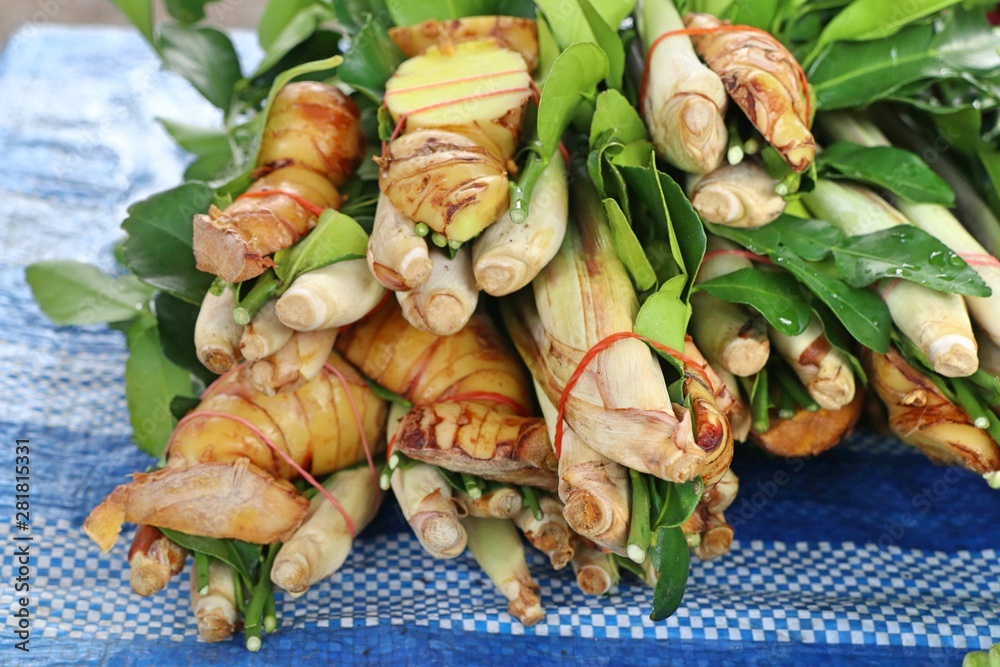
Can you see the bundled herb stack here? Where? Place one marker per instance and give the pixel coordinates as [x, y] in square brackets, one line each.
[653, 215]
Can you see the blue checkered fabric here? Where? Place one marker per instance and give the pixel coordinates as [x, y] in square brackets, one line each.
[867, 555]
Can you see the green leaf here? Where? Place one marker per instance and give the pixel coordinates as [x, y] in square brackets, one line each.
[900, 171]
[838, 337]
[810, 239]
[877, 19]
[158, 249]
[679, 501]
[140, 14]
[849, 74]
[181, 405]
[616, 114]
[243, 556]
[352, 14]
[606, 37]
[335, 238]
[629, 249]
[285, 25]
[671, 560]
[861, 311]
[908, 253]
[758, 13]
[569, 23]
[371, 60]
[775, 295]
[77, 293]
[664, 316]
[573, 78]
[203, 56]
[409, 12]
[186, 11]
[176, 319]
[151, 382]
[211, 145]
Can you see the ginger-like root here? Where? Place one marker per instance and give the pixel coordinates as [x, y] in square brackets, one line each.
[470, 397]
[312, 143]
[809, 433]
[223, 480]
[514, 33]
[765, 80]
[920, 415]
[737, 195]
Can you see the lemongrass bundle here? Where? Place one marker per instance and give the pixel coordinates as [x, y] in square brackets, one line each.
[496, 546]
[619, 406]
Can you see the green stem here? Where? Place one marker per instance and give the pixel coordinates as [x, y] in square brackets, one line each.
[253, 618]
[531, 501]
[786, 405]
[265, 288]
[968, 401]
[987, 382]
[238, 592]
[270, 614]
[520, 192]
[639, 531]
[471, 484]
[735, 153]
[201, 565]
[792, 386]
[760, 403]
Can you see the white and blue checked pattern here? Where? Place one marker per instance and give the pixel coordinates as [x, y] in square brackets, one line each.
[789, 591]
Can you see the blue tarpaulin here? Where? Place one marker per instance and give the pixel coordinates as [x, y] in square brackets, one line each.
[865, 555]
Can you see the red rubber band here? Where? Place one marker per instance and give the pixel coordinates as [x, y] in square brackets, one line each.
[739, 253]
[710, 31]
[438, 84]
[979, 259]
[589, 356]
[891, 286]
[284, 455]
[301, 201]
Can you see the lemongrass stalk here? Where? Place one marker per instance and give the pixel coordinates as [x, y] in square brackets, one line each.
[216, 333]
[595, 573]
[503, 502]
[508, 255]
[444, 303]
[620, 406]
[550, 534]
[937, 322]
[727, 333]
[397, 255]
[296, 363]
[215, 610]
[593, 488]
[153, 559]
[685, 102]
[760, 403]
[496, 546]
[264, 335]
[270, 623]
[737, 195]
[322, 543]
[989, 355]
[426, 500]
[330, 297]
[939, 222]
[823, 369]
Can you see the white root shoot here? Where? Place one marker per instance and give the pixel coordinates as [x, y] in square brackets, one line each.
[330, 297]
[216, 333]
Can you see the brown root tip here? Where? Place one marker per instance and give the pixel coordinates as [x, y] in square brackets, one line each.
[593, 580]
[955, 360]
[549, 537]
[682, 467]
[148, 576]
[291, 573]
[832, 394]
[745, 356]
[445, 314]
[527, 608]
[587, 514]
[561, 558]
[715, 542]
[500, 278]
[220, 251]
[213, 626]
[443, 534]
[217, 359]
[506, 505]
